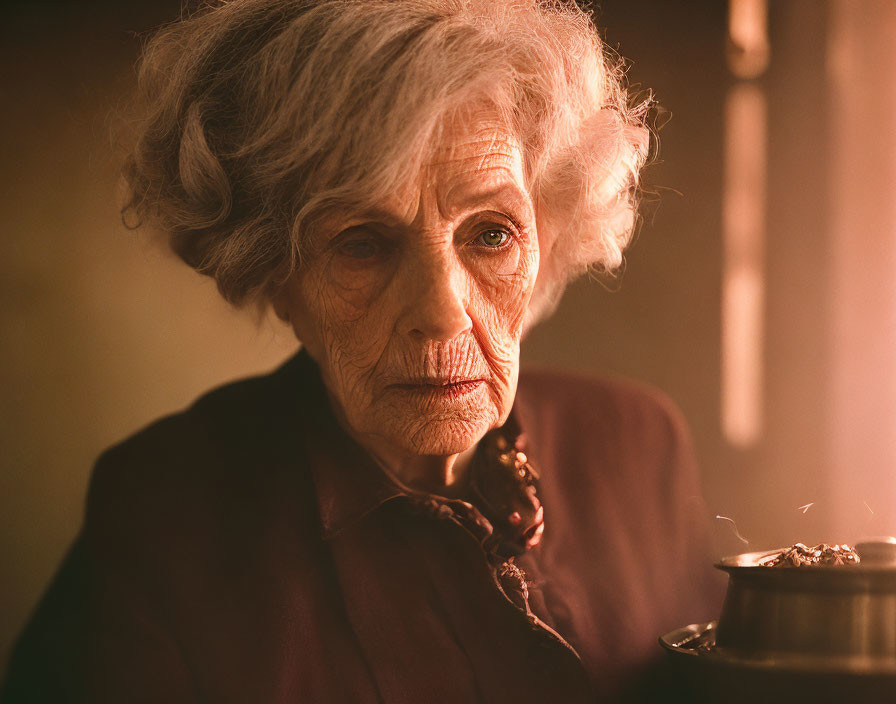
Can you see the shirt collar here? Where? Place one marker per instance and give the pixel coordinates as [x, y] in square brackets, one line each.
[348, 482]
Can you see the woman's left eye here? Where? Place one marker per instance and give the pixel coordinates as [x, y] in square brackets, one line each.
[492, 238]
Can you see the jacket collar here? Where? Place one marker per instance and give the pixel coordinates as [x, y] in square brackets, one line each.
[348, 482]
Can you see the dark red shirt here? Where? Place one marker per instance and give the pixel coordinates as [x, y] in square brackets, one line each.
[247, 550]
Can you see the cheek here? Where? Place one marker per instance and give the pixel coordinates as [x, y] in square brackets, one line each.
[348, 326]
[498, 308]
[501, 293]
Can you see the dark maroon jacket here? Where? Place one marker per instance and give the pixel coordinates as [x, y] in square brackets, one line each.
[247, 550]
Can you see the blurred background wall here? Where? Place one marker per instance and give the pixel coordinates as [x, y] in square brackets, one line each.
[759, 294]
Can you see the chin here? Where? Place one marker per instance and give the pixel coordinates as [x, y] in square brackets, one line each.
[444, 436]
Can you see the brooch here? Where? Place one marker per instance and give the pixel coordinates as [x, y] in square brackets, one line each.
[502, 487]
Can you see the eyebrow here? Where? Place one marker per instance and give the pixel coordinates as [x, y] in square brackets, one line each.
[376, 216]
[335, 223]
[506, 192]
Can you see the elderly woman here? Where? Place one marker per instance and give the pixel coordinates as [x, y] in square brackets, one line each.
[395, 514]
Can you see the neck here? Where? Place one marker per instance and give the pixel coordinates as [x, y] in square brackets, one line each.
[445, 475]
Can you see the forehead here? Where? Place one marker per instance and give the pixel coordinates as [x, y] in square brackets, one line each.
[469, 155]
[472, 163]
[465, 167]
[474, 149]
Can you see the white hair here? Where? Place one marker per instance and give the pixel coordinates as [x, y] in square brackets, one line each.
[261, 115]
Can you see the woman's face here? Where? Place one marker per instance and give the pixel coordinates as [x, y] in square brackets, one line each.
[414, 311]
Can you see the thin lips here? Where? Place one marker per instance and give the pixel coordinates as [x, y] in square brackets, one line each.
[438, 382]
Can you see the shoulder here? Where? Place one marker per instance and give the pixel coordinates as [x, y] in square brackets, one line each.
[607, 441]
[221, 424]
[613, 411]
[224, 418]
[619, 477]
[193, 474]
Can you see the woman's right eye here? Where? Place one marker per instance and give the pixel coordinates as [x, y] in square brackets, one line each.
[361, 261]
[362, 244]
[360, 248]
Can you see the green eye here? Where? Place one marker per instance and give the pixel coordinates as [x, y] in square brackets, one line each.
[493, 238]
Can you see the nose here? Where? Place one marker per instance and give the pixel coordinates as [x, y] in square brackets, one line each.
[437, 300]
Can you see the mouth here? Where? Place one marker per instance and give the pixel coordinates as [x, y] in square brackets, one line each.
[444, 389]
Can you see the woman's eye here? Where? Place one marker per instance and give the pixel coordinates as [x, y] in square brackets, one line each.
[362, 243]
[493, 238]
[359, 249]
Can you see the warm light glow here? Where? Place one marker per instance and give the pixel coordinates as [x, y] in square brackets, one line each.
[861, 441]
[743, 284]
[748, 49]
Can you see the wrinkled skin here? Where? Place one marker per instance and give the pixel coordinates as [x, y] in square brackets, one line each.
[415, 312]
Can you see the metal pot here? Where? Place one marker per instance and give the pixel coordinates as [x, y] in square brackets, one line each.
[785, 634]
[847, 613]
